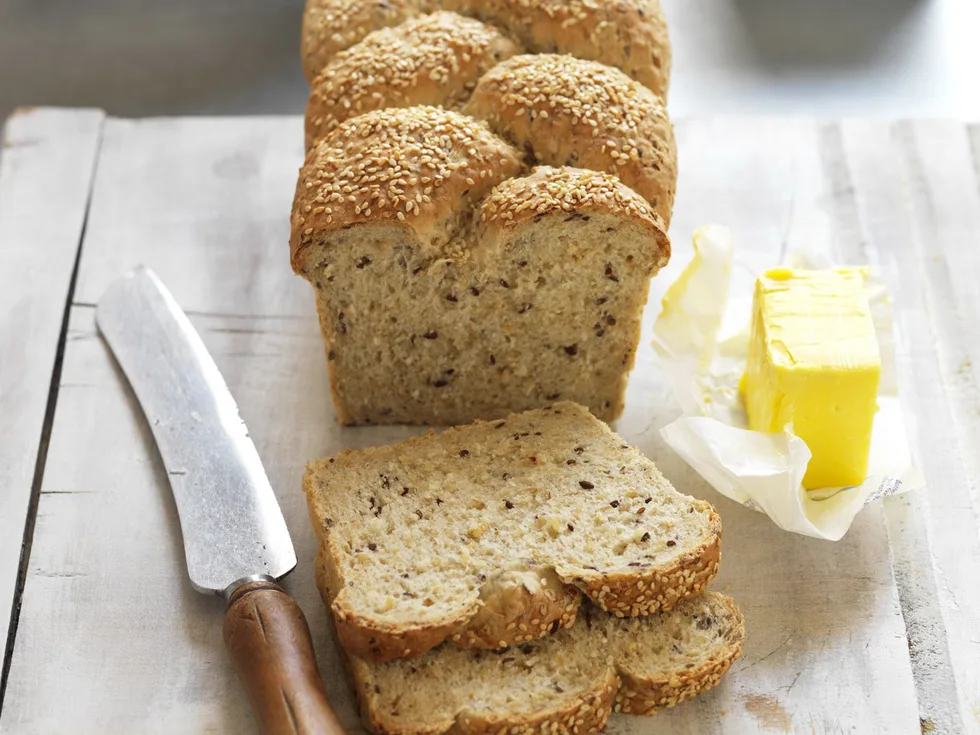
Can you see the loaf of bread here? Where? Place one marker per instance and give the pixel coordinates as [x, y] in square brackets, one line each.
[567, 682]
[487, 535]
[468, 265]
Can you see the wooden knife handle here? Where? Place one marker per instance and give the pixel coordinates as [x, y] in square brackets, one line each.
[269, 642]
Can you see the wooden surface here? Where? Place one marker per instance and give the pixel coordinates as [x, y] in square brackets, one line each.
[868, 635]
[46, 166]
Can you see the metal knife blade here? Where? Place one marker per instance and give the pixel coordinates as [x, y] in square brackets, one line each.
[232, 526]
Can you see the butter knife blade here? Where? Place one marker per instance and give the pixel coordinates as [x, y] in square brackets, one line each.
[232, 526]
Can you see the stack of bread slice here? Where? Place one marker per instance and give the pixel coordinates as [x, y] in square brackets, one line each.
[533, 572]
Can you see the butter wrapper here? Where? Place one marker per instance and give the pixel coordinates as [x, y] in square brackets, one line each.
[701, 339]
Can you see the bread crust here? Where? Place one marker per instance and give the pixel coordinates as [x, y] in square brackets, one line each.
[433, 59]
[567, 191]
[566, 111]
[586, 711]
[629, 36]
[420, 169]
[646, 593]
[640, 694]
[330, 26]
[624, 684]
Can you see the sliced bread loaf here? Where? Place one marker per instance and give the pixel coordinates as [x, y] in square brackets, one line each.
[568, 682]
[485, 534]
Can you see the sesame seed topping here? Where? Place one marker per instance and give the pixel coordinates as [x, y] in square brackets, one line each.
[570, 111]
[380, 154]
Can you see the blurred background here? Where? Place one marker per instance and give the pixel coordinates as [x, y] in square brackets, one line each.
[824, 58]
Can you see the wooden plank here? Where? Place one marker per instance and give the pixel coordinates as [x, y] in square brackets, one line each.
[108, 614]
[217, 192]
[921, 205]
[46, 167]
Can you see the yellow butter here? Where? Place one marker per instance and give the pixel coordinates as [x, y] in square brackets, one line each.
[814, 366]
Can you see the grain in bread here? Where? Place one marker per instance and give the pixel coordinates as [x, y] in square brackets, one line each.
[629, 36]
[566, 682]
[416, 539]
[448, 290]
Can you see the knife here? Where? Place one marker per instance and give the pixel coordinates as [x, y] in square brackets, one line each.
[236, 543]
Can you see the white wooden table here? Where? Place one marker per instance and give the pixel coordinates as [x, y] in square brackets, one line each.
[879, 633]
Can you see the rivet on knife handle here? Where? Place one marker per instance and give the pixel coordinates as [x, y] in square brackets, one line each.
[269, 642]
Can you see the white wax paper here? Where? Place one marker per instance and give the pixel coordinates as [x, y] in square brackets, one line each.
[701, 338]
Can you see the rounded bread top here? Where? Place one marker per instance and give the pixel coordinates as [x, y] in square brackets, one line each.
[631, 36]
[419, 167]
[574, 193]
[568, 111]
[430, 60]
[330, 26]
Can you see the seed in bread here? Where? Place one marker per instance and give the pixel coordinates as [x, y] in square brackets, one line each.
[566, 111]
[421, 169]
[330, 26]
[629, 36]
[567, 682]
[416, 539]
[430, 60]
[437, 275]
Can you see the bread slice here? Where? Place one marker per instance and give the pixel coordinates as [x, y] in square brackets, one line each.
[631, 36]
[486, 534]
[567, 682]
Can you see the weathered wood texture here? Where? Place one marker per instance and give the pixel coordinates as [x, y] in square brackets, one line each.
[46, 167]
[113, 639]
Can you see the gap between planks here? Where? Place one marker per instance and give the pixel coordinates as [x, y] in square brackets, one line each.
[40, 461]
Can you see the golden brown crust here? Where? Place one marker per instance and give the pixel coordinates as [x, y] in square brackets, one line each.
[330, 26]
[381, 641]
[641, 694]
[586, 712]
[571, 193]
[521, 613]
[419, 168]
[632, 679]
[631, 36]
[430, 60]
[375, 640]
[566, 111]
[646, 593]
[529, 617]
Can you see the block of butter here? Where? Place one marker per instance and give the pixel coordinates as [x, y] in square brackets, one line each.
[813, 366]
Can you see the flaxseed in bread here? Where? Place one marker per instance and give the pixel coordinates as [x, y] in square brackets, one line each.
[566, 682]
[484, 535]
